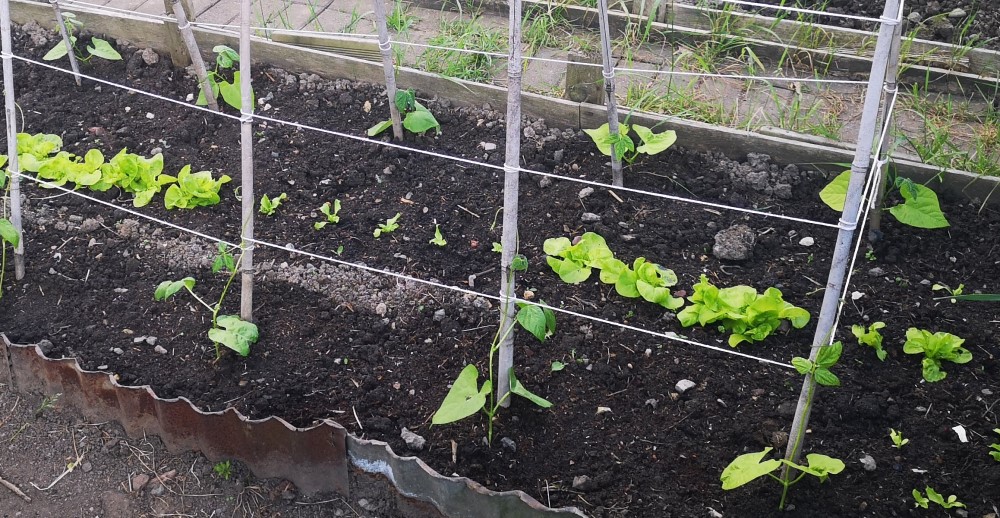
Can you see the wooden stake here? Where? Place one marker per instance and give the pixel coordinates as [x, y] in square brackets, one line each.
[67, 41]
[511, 182]
[184, 27]
[246, 148]
[609, 89]
[390, 73]
[891, 85]
[10, 109]
[179, 55]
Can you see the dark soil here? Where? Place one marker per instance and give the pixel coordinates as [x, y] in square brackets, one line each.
[939, 20]
[335, 342]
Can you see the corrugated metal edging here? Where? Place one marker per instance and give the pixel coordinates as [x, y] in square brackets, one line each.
[314, 459]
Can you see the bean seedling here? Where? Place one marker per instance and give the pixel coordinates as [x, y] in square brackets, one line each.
[466, 397]
[936, 348]
[269, 205]
[933, 496]
[389, 226]
[538, 320]
[225, 59]
[416, 117]
[438, 239]
[332, 216]
[751, 466]
[872, 337]
[951, 292]
[623, 145]
[97, 48]
[227, 330]
[820, 369]
[897, 439]
[920, 207]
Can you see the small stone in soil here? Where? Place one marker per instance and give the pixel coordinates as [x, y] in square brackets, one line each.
[151, 340]
[87, 467]
[603, 410]
[412, 440]
[734, 243]
[590, 217]
[439, 315]
[488, 146]
[868, 462]
[876, 272]
[139, 481]
[544, 182]
[381, 309]
[160, 350]
[118, 351]
[508, 443]
[807, 241]
[581, 482]
[684, 385]
[652, 402]
[586, 191]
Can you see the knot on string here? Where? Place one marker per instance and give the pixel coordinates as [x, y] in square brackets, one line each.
[384, 47]
[246, 117]
[894, 89]
[6, 55]
[185, 25]
[891, 22]
[608, 75]
[511, 169]
[849, 226]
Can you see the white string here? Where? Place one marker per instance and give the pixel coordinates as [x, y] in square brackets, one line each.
[226, 28]
[97, 8]
[874, 181]
[123, 87]
[389, 273]
[454, 158]
[642, 70]
[550, 175]
[800, 10]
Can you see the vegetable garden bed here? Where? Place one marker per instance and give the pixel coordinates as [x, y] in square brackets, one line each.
[377, 353]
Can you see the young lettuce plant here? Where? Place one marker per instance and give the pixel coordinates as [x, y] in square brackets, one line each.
[417, 118]
[438, 239]
[389, 226]
[747, 315]
[936, 348]
[623, 145]
[648, 280]
[872, 337]
[332, 213]
[574, 262]
[225, 59]
[227, 330]
[269, 205]
[134, 174]
[97, 48]
[933, 496]
[194, 190]
[920, 207]
[466, 397]
[897, 439]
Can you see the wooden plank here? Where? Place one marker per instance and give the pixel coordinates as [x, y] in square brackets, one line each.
[175, 45]
[361, 48]
[583, 82]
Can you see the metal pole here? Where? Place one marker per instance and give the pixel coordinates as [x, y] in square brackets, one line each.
[10, 110]
[511, 179]
[848, 223]
[184, 27]
[246, 149]
[66, 39]
[609, 88]
[891, 87]
[390, 73]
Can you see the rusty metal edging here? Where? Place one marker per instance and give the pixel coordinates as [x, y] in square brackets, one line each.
[315, 459]
[455, 497]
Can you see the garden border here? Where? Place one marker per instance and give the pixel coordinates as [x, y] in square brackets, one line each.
[557, 112]
[318, 459]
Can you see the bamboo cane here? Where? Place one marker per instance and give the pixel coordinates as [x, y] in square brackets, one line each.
[184, 27]
[609, 90]
[510, 202]
[246, 151]
[390, 73]
[10, 109]
[67, 41]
